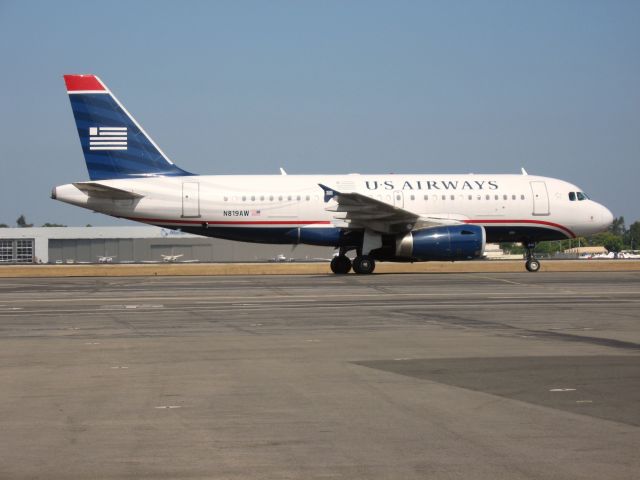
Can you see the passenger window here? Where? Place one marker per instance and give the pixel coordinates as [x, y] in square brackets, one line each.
[298, 198]
[513, 197]
[262, 198]
[505, 197]
[453, 197]
[426, 197]
[280, 198]
[289, 198]
[413, 197]
[470, 197]
[253, 198]
[308, 198]
[226, 199]
[488, 197]
[244, 199]
[271, 198]
[521, 197]
[444, 197]
[497, 197]
[572, 196]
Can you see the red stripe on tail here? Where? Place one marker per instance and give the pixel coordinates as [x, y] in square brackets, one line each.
[78, 83]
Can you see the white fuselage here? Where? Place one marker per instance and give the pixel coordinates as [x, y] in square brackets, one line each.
[260, 207]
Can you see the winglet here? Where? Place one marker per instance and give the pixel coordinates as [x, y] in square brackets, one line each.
[282, 172]
[329, 193]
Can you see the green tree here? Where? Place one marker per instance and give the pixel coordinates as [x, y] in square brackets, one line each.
[4, 225]
[53, 225]
[22, 222]
[634, 235]
[617, 227]
[610, 241]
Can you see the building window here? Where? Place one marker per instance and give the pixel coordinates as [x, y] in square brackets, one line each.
[16, 251]
[6, 251]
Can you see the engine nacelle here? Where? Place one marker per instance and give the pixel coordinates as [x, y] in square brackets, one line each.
[450, 242]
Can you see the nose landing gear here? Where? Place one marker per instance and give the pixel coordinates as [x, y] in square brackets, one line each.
[532, 264]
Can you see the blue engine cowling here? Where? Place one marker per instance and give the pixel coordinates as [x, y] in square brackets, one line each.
[450, 242]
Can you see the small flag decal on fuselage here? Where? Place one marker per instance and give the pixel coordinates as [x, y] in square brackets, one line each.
[107, 138]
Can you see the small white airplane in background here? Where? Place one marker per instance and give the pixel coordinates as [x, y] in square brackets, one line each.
[386, 217]
[106, 258]
[171, 258]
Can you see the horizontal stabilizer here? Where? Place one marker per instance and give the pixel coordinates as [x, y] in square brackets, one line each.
[94, 189]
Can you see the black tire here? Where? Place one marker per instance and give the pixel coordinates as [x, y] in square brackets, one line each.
[340, 264]
[532, 265]
[364, 265]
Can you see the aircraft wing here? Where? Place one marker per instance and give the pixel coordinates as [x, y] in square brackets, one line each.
[94, 189]
[355, 210]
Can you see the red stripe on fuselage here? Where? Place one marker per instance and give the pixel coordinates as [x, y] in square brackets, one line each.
[231, 222]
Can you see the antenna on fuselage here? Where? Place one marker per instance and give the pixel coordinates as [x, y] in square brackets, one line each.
[524, 172]
[282, 172]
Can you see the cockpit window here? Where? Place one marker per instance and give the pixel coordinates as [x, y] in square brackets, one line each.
[582, 196]
[572, 196]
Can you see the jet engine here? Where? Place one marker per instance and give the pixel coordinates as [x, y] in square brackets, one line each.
[448, 242]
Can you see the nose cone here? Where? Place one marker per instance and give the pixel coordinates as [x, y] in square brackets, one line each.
[606, 217]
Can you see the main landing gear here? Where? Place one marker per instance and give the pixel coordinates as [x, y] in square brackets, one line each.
[362, 264]
[532, 264]
[340, 264]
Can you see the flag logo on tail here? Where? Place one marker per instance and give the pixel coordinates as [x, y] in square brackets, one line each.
[108, 138]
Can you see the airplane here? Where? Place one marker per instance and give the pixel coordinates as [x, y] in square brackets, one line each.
[384, 217]
[106, 258]
[171, 258]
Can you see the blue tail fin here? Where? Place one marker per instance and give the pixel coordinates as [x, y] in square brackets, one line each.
[114, 144]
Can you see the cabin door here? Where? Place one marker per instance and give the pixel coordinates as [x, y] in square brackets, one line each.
[190, 199]
[540, 198]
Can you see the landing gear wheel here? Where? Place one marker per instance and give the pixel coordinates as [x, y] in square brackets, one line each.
[364, 265]
[532, 265]
[340, 264]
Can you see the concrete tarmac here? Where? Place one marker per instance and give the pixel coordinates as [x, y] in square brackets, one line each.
[439, 376]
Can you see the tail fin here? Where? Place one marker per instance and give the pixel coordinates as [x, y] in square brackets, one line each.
[114, 144]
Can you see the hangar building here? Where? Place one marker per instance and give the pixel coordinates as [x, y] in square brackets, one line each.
[138, 244]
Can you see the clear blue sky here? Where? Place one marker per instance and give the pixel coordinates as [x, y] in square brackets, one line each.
[235, 87]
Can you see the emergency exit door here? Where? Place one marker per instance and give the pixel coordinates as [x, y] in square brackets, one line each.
[540, 198]
[190, 199]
